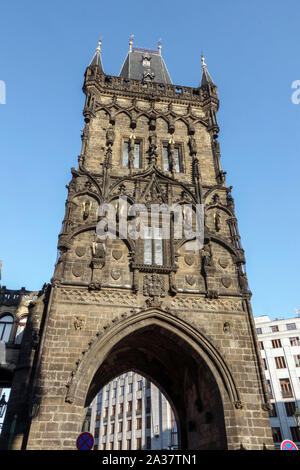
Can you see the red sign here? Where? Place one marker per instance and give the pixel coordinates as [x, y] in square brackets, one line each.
[288, 445]
[85, 441]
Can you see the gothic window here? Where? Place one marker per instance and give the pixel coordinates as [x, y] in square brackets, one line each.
[177, 158]
[6, 324]
[153, 246]
[136, 149]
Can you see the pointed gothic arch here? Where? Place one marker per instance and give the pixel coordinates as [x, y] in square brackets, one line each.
[182, 362]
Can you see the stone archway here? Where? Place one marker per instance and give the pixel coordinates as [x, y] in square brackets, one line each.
[178, 359]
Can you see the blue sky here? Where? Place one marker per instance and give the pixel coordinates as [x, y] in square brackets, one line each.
[252, 53]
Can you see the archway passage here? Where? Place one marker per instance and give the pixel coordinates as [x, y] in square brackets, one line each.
[180, 373]
[131, 413]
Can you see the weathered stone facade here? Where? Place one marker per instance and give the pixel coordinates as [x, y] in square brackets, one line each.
[186, 323]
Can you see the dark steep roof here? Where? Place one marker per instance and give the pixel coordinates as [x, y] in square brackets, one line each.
[145, 64]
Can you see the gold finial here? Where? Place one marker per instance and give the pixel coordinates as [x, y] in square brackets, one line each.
[131, 42]
[159, 46]
[203, 61]
[99, 45]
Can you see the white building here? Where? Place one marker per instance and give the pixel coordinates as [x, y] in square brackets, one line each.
[131, 413]
[279, 342]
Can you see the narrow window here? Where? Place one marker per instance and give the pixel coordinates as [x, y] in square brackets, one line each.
[276, 435]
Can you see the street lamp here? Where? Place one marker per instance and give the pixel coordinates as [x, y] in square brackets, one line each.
[3, 404]
[297, 416]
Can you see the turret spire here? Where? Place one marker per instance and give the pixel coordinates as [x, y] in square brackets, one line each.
[96, 61]
[206, 78]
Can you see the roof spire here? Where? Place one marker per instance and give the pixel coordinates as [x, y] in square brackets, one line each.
[206, 78]
[96, 60]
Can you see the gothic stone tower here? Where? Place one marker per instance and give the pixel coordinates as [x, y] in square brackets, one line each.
[181, 318]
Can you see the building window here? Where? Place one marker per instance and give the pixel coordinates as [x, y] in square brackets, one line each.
[291, 326]
[121, 408]
[129, 407]
[269, 389]
[122, 390]
[129, 425]
[104, 429]
[294, 341]
[6, 324]
[285, 387]
[148, 405]
[140, 385]
[113, 410]
[120, 426]
[128, 444]
[295, 431]
[148, 422]
[119, 445]
[138, 443]
[273, 412]
[276, 343]
[274, 328]
[177, 158]
[139, 404]
[297, 360]
[280, 362]
[104, 446]
[261, 345]
[111, 446]
[148, 442]
[265, 364]
[139, 423]
[136, 154]
[290, 408]
[259, 331]
[153, 246]
[105, 412]
[20, 330]
[276, 435]
[96, 434]
[130, 388]
[112, 428]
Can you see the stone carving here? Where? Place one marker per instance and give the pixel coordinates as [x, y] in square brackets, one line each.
[80, 250]
[117, 254]
[78, 323]
[200, 303]
[226, 327]
[110, 136]
[217, 220]
[86, 208]
[223, 262]
[189, 259]
[115, 274]
[154, 286]
[77, 269]
[190, 279]
[192, 145]
[94, 296]
[98, 252]
[226, 281]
